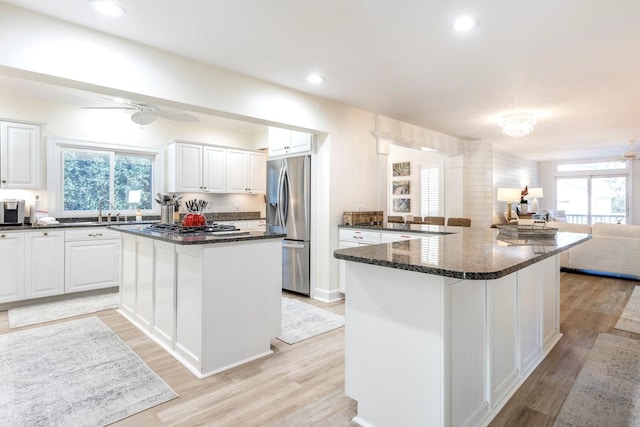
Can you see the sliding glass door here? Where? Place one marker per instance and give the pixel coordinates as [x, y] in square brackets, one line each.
[591, 199]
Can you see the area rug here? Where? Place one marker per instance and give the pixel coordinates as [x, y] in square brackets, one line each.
[301, 321]
[607, 389]
[630, 317]
[76, 373]
[46, 312]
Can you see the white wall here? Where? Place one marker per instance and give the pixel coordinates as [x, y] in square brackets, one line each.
[512, 172]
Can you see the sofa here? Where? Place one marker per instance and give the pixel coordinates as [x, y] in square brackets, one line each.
[614, 249]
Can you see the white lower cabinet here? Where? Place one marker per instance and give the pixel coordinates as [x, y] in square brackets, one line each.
[164, 296]
[257, 224]
[349, 238]
[91, 259]
[145, 276]
[529, 316]
[503, 331]
[128, 275]
[11, 266]
[44, 263]
[192, 300]
[468, 352]
[459, 348]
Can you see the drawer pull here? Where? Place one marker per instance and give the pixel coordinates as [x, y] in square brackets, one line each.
[3, 236]
[95, 235]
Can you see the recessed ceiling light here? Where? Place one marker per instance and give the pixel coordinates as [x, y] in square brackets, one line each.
[465, 23]
[315, 78]
[108, 8]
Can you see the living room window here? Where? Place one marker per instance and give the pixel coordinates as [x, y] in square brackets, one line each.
[82, 174]
[593, 192]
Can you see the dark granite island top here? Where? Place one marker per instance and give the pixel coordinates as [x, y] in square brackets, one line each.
[467, 253]
[210, 238]
[405, 228]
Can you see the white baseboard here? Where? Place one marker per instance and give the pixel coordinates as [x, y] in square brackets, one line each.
[327, 296]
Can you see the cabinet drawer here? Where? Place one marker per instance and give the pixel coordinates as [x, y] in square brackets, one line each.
[369, 237]
[91, 234]
[396, 237]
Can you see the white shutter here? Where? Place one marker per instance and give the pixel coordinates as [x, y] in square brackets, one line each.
[430, 190]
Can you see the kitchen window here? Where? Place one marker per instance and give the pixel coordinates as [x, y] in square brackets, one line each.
[84, 173]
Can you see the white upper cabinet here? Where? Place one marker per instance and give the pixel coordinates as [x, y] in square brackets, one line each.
[257, 173]
[283, 142]
[20, 158]
[246, 172]
[214, 169]
[196, 168]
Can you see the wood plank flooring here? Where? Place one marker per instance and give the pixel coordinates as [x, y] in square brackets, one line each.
[303, 384]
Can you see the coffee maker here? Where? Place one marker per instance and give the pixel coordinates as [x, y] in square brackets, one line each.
[12, 212]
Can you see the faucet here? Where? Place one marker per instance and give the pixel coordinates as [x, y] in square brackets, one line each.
[100, 210]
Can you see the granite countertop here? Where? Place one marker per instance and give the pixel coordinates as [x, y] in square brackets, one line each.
[469, 253]
[209, 238]
[93, 221]
[401, 227]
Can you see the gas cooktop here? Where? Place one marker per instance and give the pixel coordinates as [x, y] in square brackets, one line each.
[202, 229]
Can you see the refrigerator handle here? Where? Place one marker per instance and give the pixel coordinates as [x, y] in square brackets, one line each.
[283, 201]
[293, 245]
[279, 198]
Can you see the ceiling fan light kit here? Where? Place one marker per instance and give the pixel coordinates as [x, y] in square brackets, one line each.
[517, 125]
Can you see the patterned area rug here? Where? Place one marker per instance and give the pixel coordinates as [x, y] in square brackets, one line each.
[40, 313]
[301, 321]
[630, 317]
[76, 373]
[607, 389]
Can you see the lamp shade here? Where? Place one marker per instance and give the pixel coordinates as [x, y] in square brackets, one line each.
[535, 193]
[508, 194]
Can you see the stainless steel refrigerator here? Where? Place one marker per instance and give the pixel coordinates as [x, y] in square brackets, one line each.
[289, 211]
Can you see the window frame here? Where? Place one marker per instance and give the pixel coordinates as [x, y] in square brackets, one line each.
[55, 147]
[626, 172]
[438, 165]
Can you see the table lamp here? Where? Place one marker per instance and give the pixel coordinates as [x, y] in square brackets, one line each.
[508, 195]
[535, 193]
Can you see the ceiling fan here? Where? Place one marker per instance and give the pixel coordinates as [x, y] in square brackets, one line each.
[630, 154]
[144, 114]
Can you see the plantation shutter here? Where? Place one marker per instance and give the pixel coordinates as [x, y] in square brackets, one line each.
[430, 190]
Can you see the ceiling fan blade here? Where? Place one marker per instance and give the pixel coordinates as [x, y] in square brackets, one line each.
[179, 116]
[143, 117]
[109, 108]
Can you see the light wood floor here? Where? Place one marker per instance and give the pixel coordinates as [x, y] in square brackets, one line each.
[303, 384]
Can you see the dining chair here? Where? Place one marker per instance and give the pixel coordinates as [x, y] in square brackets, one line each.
[433, 220]
[459, 222]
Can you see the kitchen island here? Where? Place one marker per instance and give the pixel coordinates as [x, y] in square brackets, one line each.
[212, 300]
[442, 330]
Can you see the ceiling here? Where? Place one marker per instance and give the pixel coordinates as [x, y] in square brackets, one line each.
[573, 62]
